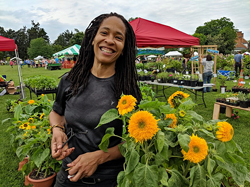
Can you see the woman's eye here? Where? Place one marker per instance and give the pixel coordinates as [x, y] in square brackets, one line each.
[119, 38]
[103, 33]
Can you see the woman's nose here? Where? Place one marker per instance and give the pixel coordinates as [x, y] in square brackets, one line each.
[109, 39]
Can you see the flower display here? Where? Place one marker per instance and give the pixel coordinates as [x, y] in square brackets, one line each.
[197, 150]
[177, 98]
[126, 104]
[225, 131]
[142, 126]
[173, 117]
[156, 155]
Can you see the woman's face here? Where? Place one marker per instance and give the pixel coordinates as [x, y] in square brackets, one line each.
[109, 40]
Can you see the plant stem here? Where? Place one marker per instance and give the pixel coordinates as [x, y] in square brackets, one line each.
[187, 169]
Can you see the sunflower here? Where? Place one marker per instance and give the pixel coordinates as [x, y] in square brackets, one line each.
[197, 150]
[142, 126]
[173, 117]
[31, 102]
[225, 131]
[21, 127]
[126, 104]
[31, 120]
[33, 127]
[49, 131]
[177, 98]
[26, 125]
[41, 117]
[182, 113]
[42, 95]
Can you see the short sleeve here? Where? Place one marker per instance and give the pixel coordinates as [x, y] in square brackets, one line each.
[61, 96]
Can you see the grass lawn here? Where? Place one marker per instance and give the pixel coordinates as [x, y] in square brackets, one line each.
[9, 161]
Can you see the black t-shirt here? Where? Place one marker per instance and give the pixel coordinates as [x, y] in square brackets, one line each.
[83, 112]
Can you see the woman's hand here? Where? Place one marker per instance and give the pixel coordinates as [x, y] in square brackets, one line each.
[58, 138]
[84, 165]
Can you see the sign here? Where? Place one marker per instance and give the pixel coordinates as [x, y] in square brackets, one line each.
[212, 51]
[194, 57]
[151, 51]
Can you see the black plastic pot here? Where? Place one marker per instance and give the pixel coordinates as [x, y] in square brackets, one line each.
[244, 104]
[222, 109]
[199, 83]
[193, 83]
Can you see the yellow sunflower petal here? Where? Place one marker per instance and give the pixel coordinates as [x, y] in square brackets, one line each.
[31, 102]
[142, 126]
[173, 117]
[225, 131]
[126, 104]
[197, 150]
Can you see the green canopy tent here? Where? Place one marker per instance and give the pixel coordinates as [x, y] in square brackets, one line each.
[70, 51]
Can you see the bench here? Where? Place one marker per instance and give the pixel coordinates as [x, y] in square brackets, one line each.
[229, 109]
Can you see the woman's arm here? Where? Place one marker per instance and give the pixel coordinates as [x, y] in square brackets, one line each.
[86, 164]
[59, 137]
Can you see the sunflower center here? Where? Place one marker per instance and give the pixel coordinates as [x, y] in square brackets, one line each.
[141, 124]
[196, 149]
[124, 102]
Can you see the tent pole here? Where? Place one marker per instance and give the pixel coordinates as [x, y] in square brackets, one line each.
[22, 95]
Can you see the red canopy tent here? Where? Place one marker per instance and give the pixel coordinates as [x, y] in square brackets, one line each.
[7, 44]
[152, 34]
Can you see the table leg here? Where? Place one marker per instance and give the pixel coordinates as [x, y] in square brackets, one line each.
[216, 111]
[229, 111]
[203, 99]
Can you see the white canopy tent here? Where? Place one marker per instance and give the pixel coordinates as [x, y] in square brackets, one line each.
[173, 53]
[15, 58]
[39, 58]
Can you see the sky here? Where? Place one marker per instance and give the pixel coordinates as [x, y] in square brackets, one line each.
[57, 16]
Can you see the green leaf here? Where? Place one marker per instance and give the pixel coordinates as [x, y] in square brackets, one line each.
[18, 111]
[195, 116]
[146, 176]
[133, 159]
[163, 176]
[167, 109]
[177, 179]
[188, 104]
[146, 105]
[105, 139]
[184, 140]
[198, 176]
[30, 108]
[215, 180]
[160, 140]
[210, 165]
[108, 116]
[40, 156]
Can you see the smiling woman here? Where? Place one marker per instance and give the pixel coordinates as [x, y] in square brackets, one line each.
[105, 69]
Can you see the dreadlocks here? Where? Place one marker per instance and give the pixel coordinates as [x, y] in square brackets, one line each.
[125, 70]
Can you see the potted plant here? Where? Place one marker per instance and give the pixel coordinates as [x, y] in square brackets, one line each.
[222, 80]
[243, 100]
[32, 137]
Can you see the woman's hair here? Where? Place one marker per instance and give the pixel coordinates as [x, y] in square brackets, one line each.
[125, 70]
[209, 58]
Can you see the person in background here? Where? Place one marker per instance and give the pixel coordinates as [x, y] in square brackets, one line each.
[46, 63]
[238, 63]
[92, 87]
[184, 64]
[28, 62]
[208, 64]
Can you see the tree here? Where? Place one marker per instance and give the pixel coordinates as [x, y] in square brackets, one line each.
[36, 32]
[77, 38]
[39, 47]
[202, 38]
[131, 19]
[221, 28]
[64, 39]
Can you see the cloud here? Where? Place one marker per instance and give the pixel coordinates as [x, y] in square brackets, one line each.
[56, 16]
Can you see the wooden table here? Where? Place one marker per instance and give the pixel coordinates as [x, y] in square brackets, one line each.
[229, 109]
[193, 90]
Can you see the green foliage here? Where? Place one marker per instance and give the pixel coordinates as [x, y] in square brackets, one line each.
[31, 135]
[202, 38]
[40, 82]
[39, 47]
[222, 80]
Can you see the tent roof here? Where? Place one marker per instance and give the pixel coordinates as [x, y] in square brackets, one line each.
[7, 44]
[152, 34]
[73, 50]
[173, 53]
